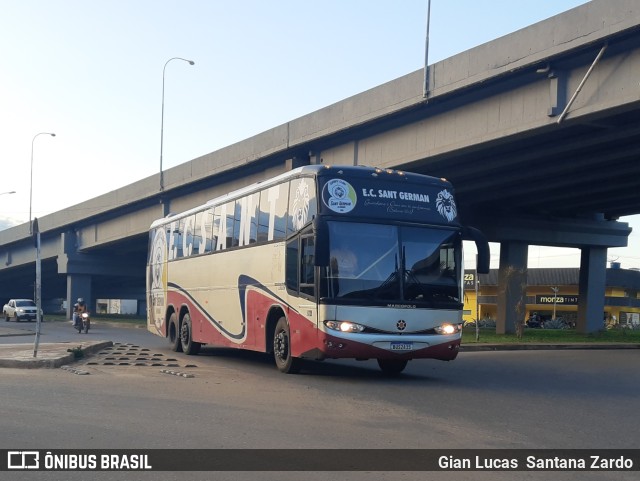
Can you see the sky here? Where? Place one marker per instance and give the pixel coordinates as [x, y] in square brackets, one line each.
[91, 72]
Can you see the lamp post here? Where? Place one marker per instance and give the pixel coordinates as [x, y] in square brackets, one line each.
[31, 177]
[555, 299]
[477, 300]
[191, 62]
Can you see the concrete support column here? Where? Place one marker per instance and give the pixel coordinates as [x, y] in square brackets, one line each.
[79, 285]
[512, 286]
[297, 161]
[165, 206]
[591, 289]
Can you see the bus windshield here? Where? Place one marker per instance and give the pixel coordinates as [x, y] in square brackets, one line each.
[388, 263]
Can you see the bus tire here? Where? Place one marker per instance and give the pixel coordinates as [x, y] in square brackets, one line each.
[189, 346]
[285, 362]
[174, 334]
[392, 367]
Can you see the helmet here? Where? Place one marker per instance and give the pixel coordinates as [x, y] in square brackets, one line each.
[80, 299]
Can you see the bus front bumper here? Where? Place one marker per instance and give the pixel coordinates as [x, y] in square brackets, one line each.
[443, 348]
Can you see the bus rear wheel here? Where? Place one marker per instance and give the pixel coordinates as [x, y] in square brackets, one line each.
[174, 333]
[285, 362]
[189, 346]
[392, 367]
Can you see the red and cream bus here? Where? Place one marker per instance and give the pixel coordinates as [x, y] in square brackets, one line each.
[320, 262]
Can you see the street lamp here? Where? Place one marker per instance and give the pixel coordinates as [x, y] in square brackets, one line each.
[31, 179]
[555, 299]
[191, 62]
[11, 192]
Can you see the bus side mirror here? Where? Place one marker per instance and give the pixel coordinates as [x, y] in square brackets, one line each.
[482, 245]
[321, 231]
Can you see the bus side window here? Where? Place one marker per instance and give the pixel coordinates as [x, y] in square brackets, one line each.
[200, 234]
[307, 266]
[215, 228]
[253, 210]
[263, 217]
[447, 260]
[302, 204]
[280, 215]
[188, 236]
[272, 217]
[291, 274]
[168, 233]
[177, 239]
[228, 233]
[206, 225]
[234, 233]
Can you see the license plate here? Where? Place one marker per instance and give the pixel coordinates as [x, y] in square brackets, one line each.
[401, 346]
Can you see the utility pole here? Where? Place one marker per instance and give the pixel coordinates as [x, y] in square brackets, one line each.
[36, 238]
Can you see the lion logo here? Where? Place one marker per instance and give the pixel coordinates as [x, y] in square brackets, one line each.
[446, 205]
[157, 279]
[300, 208]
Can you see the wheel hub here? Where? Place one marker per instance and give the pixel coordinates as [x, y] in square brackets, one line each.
[280, 345]
[184, 333]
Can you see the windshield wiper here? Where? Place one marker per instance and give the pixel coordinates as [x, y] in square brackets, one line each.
[392, 278]
[409, 278]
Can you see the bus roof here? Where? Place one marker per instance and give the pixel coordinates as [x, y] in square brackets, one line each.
[318, 171]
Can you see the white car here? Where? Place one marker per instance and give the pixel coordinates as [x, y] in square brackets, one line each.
[20, 309]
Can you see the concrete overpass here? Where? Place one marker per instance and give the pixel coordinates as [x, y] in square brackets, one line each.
[538, 130]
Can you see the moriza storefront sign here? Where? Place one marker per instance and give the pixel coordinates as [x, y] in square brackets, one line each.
[564, 300]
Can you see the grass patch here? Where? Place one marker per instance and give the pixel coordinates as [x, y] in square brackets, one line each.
[78, 353]
[555, 336]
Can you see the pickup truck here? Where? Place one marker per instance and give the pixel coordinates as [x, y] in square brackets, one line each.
[19, 309]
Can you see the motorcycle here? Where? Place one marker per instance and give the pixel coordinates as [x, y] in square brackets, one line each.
[83, 323]
[535, 322]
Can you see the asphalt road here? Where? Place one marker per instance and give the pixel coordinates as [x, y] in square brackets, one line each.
[63, 331]
[514, 399]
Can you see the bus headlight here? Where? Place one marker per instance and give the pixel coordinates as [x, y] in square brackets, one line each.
[447, 328]
[344, 326]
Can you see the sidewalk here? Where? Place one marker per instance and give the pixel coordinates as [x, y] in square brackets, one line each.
[51, 355]
[546, 346]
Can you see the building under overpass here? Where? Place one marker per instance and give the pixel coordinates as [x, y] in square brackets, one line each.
[552, 293]
[538, 130]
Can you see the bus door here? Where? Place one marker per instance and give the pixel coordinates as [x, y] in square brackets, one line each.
[301, 279]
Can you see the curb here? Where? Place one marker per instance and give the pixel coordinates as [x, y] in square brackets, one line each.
[17, 333]
[53, 362]
[547, 347]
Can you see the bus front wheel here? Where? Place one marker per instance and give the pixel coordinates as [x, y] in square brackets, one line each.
[282, 349]
[189, 346]
[392, 367]
[174, 333]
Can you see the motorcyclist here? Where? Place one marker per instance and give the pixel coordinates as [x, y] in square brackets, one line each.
[534, 320]
[78, 309]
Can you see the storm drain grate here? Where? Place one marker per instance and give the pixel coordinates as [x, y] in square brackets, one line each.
[132, 355]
